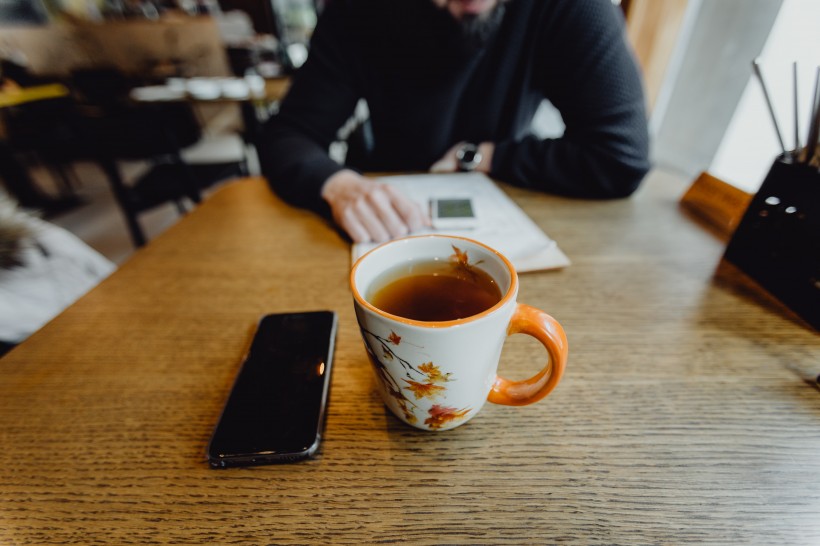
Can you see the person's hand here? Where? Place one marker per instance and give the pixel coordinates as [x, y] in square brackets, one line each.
[370, 211]
[449, 164]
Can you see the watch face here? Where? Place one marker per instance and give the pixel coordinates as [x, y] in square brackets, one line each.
[468, 157]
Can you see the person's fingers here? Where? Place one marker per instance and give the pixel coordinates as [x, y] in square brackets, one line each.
[371, 211]
[382, 203]
[346, 193]
[353, 227]
[370, 220]
[410, 212]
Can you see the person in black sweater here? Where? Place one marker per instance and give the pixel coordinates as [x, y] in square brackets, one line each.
[439, 75]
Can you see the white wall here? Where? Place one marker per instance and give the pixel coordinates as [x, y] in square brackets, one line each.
[750, 143]
[708, 73]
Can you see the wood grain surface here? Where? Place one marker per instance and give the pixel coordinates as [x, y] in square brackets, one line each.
[688, 413]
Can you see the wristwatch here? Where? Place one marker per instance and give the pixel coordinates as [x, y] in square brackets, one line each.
[468, 157]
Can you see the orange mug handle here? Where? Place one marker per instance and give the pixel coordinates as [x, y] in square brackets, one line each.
[547, 330]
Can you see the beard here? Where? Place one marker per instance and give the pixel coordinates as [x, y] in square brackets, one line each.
[475, 31]
[463, 37]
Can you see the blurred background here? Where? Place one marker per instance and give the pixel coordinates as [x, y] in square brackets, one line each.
[86, 83]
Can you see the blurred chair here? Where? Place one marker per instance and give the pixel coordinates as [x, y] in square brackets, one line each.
[42, 132]
[22, 187]
[116, 128]
[157, 133]
[99, 122]
[102, 85]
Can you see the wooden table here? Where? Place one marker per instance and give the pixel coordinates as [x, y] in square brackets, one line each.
[688, 414]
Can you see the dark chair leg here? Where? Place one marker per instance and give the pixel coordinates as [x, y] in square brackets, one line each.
[190, 182]
[121, 194]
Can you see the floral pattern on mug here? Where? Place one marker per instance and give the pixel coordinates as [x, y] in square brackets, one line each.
[441, 415]
[422, 382]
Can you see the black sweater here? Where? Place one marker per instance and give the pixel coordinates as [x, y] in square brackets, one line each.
[424, 95]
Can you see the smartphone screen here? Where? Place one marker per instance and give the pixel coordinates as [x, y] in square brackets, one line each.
[276, 408]
[453, 213]
[454, 208]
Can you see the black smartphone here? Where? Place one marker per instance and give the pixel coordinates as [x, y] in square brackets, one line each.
[276, 409]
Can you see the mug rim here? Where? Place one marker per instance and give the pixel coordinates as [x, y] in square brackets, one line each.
[508, 295]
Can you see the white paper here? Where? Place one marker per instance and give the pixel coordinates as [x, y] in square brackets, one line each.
[501, 225]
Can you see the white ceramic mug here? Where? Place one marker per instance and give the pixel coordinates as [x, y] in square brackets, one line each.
[437, 375]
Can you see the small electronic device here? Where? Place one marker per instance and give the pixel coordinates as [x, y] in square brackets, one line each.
[453, 213]
[276, 409]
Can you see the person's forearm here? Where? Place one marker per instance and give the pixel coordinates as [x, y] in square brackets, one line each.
[573, 168]
[293, 147]
[597, 88]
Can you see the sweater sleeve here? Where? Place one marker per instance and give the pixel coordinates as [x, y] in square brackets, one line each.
[587, 70]
[293, 147]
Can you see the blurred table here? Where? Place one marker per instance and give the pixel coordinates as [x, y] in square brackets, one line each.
[688, 414]
[254, 107]
[211, 92]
